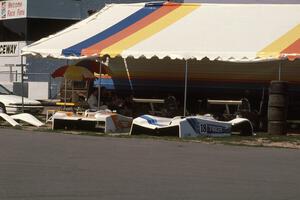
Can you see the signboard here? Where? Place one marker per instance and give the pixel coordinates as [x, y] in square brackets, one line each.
[56, 9]
[9, 49]
[13, 9]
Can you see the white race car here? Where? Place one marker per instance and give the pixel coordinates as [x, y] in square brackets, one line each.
[192, 126]
[12, 104]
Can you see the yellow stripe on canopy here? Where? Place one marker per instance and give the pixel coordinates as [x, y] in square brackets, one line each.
[148, 31]
[276, 47]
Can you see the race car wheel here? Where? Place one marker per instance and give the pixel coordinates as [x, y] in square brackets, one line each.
[2, 108]
[246, 129]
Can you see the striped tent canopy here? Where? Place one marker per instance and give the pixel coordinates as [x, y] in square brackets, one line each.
[227, 32]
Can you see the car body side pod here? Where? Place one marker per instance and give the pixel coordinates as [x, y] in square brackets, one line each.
[9, 119]
[28, 118]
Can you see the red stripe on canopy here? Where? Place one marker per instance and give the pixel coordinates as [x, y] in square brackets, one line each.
[98, 47]
[293, 51]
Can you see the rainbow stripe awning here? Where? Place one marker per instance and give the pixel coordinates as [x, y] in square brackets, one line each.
[229, 32]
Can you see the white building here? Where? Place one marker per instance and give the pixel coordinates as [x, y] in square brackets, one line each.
[25, 21]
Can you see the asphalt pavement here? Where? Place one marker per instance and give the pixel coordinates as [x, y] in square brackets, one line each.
[56, 166]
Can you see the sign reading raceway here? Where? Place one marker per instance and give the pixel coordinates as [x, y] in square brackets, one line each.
[13, 9]
[9, 49]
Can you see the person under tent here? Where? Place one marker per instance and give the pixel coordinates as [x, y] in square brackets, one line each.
[93, 99]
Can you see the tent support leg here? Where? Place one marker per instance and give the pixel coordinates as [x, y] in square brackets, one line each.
[128, 75]
[65, 93]
[99, 86]
[72, 90]
[279, 71]
[185, 87]
[66, 89]
[22, 80]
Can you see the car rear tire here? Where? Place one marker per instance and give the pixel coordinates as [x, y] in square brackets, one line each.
[246, 129]
[2, 108]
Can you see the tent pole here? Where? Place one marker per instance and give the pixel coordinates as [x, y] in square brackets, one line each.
[65, 93]
[66, 89]
[279, 71]
[185, 87]
[72, 91]
[22, 84]
[99, 86]
[128, 74]
[49, 87]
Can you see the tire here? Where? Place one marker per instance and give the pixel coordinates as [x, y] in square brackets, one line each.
[278, 87]
[2, 108]
[277, 127]
[277, 100]
[277, 114]
[246, 129]
[253, 117]
[263, 124]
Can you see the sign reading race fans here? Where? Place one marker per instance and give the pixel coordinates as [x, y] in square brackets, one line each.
[13, 9]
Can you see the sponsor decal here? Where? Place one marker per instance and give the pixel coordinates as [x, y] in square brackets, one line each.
[206, 128]
[9, 49]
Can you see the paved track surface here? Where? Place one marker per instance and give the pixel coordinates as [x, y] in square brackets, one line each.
[44, 166]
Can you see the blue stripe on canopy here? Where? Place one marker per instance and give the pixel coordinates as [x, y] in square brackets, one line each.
[76, 49]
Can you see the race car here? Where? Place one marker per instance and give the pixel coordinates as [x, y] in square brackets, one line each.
[192, 126]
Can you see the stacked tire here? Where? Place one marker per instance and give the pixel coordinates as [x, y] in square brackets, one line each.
[277, 108]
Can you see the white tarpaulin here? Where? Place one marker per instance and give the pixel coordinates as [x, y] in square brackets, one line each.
[230, 32]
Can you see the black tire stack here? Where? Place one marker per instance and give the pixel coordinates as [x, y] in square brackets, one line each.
[277, 108]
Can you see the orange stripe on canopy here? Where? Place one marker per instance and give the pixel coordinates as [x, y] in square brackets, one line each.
[281, 44]
[98, 47]
[293, 51]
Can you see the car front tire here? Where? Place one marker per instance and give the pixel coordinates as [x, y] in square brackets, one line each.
[2, 108]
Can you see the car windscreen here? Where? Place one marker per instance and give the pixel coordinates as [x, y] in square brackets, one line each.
[3, 90]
